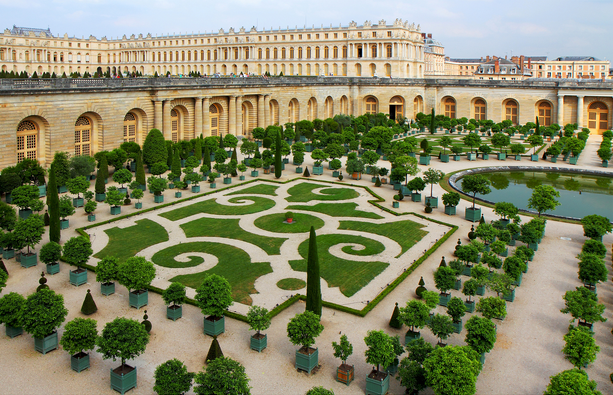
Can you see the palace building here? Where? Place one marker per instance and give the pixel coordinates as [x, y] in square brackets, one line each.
[327, 71]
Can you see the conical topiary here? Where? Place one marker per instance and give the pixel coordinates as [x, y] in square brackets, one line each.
[46, 218]
[443, 263]
[146, 322]
[421, 288]
[42, 281]
[394, 322]
[378, 182]
[471, 234]
[89, 306]
[214, 352]
[482, 220]
[306, 172]
[2, 267]
[313, 296]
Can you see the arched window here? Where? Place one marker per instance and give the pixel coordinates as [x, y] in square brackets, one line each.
[274, 112]
[335, 52]
[344, 105]
[27, 140]
[511, 110]
[235, 53]
[449, 104]
[291, 53]
[82, 136]
[329, 107]
[344, 51]
[371, 105]
[267, 53]
[373, 51]
[480, 109]
[275, 52]
[417, 105]
[598, 117]
[326, 52]
[174, 121]
[317, 53]
[214, 119]
[308, 54]
[282, 53]
[129, 127]
[544, 111]
[260, 53]
[299, 52]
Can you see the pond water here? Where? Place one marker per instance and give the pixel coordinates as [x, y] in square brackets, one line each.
[580, 194]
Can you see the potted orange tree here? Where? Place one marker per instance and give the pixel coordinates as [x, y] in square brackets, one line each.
[380, 352]
[79, 336]
[77, 251]
[214, 296]
[106, 274]
[258, 321]
[342, 350]
[136, 274]
[302, 331]
[174, 297]
[42, 313]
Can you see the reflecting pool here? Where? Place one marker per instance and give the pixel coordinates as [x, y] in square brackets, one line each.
[580, 194]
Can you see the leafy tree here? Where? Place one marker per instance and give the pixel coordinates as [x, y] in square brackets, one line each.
[53, 204]
[82, 165]
[506, 210]
[319, 391]
[595, 226]
[61, 167]
[122, 338]
[154, 148]
[214, 295]
[514, 266]
[418, 350]
[411, 375]
[451, 199]
[475, 184]
[140, 170]
[594, 247]
[574, 381]
[222, 376]
[456, 309]
[480, 334]
[136, 273]
[122, 176]
[470, 288]
[444, 278]
[79, 335]
[25, 196]
[492, 307]
[77, 250]
[29, 232]
[543, 198]
[414, 315]
[441, 326]
[303, 329]
[592, 269]
[42, 313]
[114, 197]
[258, 318]
[78, 185]
[472, 140]
[66, 207]
[380, 349]
[278, 162]
[582, 304]
[157, 185]
[313, 302]
[3, 277]
[172, 377]
[117, 158]
[535, 140]
[580, 348]
[174, 294]
[342, 350]
[107, 270]
[11, 309]
[500, 140]
[432, 177]
[452, 370]
[501, 283]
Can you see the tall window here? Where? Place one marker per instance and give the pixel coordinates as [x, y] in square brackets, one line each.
[308, 54]
[293, 111]
[344, 51]
[299, 52]
[291, 53]
[214, 119]
[449, 105]
[598, 117]
[129, 127]
[373, 51]
[417, 105]
[174, 121]
[27, 136]
[544, 110]
[316, 52]
[335, 52]
[480, 110]
[388, 51]
[511, 111]
[82, 136]
[326, 52]
[371, 105]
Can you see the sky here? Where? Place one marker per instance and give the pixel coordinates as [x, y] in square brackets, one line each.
[466, 28]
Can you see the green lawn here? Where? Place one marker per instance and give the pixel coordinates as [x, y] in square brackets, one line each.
[127, 242]
[303, 192]
[291, 284]
[434, 141]
[405, 233]
[234, 264]
[212, 207]
[260, 189]
[349, 276]
[275, 223]
[215, 227]
[337, 210]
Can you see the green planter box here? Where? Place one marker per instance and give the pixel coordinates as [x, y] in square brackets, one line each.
[573, 160]
[241, 178]
[534, 158]
[46, 344]
[214, 327]
[467, 270]
[64, 224]
[445, 158]
[42, 190]
[533, 246]
[605, 163]
[433, 200]
[255, 173]
[376, 387]
[470, 306]
[9, 198]
[457, 327]
[62, 189]
[29, 260]
[518, 157]
[510, 297]
[458, 284]
[8, 254]
[424, 160]
[107, 288]
[91, 217]
[115, 210]
[13, 331]
[410, 336]
[259, 344]
[472, 215]
[53, 268]
[123, 382]
[196, 188]
[335, 173]
[554, 159]
[486, 156]
[395, 204]
[79, 362]
[174, 312]
[158, 198]
[178, 194]
[213, 185]
[78, 202]
[24, 214]
[100, 197]
[450, 210]
[481, 290]
[502, 156]
[518, 282]
[392, 369]
[140, 299]
[444, 299]
[416, 197]
[307, 362]
[78, 277]
[471, 156]
[227, 180]
[138, 205]
[318, 170]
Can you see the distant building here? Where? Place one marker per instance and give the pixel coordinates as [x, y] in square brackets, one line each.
[462, 67]
[434, 56]
[579, 67]
[502, 69]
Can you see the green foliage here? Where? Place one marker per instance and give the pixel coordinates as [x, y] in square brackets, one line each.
[25, 196]
[394, 321]
[594, 247]
[380, 349]
[66, 207]
[122, 176]
[154, 148]
[501, 283]
[580, 348]
[506, 210]
[456, 309]
[89, 306]
[342, 350]
[174, 294]
[258, 318]
[43, 312]
[582, 304]
[411, 375]
[79, 335]
[8, 217]
[480, 334]
[29, 232]
[214, 295]
[451, 199]
[514, 266]
[303, 328]
[101, 175]
[595, 226]
[122, 338]
[313, 302]
[214, 351]
[470, 288]
[418, 350]
[172, 377]
[53, 203]
[114, 197]
[319, 391]
[444, 278]
[452, 370]
[222, 376]
[11, 309]
[77, 250]
[574, 381]
[157, 185]
[475, 184]
[107, 269]
[543, 199]
[415, 314]
[78, 185]
[159, 168]
[50, 252]
[416, 185]
[592, 269]
[472, 140]
[441, 326]
[140, 170]
[61, 166]
[3, 277]
[431, 299]
[492, 307]
[136, 273]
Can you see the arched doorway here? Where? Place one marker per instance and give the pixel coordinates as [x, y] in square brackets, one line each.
[129, 128]
[329, 107]
[480, 108]
[371, 105]
[176, 122]
[293, 111]
[511, 109]
[449, 105]
[312, 109]
[214, 113]
[418, 106]
[396, 107]
[544, 113]
[27, 140]
[598, 117]
[274, 112]
[82, 136]
[247, 117]
[344, 105]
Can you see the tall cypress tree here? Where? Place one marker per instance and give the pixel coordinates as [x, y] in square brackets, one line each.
[313, 296]
[235, 159]
[104, 167]
[198, 149]
[170, 157]
[53, 204]
[176, 163]
[207, 157]
[221, 140]
[278, 164]
[432, 122]
[140, 170]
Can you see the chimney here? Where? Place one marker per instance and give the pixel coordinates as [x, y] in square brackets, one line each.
[530, 63]
[487, 58]
[423, 35]
[497, 67]
[429, 35]
[521, 63]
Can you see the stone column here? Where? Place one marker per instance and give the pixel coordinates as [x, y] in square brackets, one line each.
[266, 110]
[560, 110]
[579, 112]
[157, 114]
[239, 115]
[353, 102]
[197, 117]
[206, 121]
[261, 114]
[232, 115]
[167, 127]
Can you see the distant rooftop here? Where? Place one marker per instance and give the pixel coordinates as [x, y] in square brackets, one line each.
[576, 58]
[27, 30]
